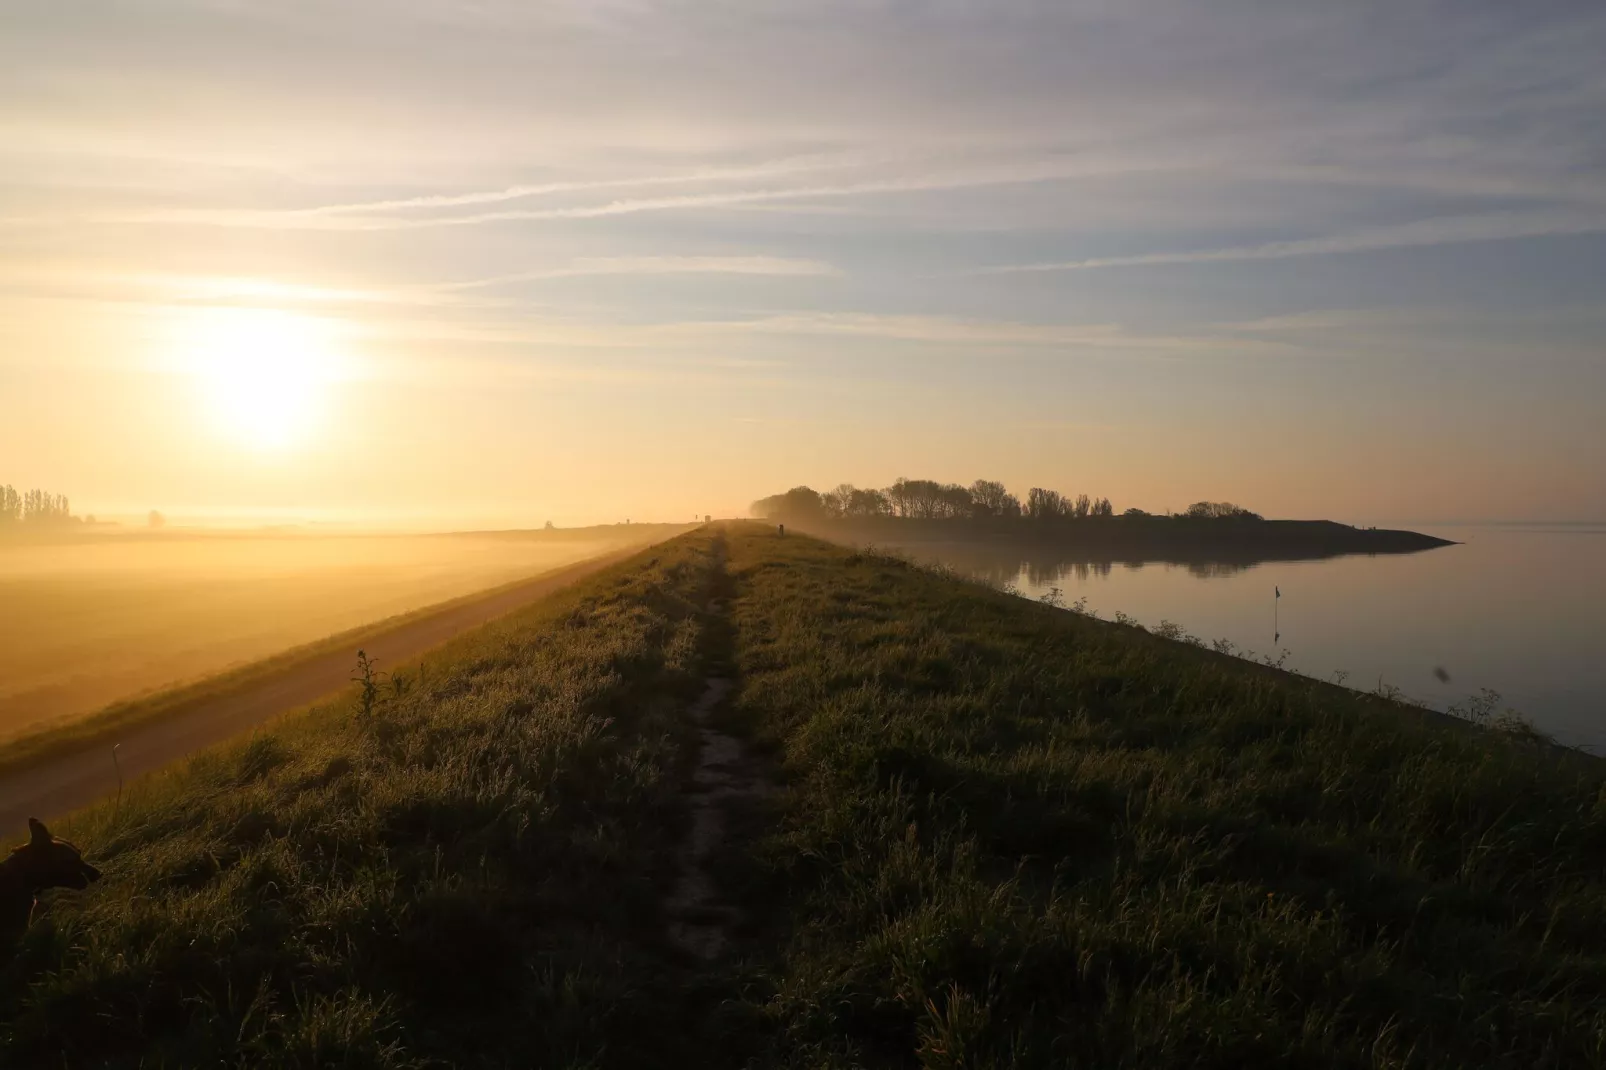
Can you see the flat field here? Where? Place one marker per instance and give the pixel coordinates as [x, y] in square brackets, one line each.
[89, 620]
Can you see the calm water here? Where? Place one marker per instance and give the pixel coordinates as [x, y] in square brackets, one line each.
[1520, 609]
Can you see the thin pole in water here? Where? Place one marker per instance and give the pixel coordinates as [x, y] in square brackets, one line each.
[1276, 620]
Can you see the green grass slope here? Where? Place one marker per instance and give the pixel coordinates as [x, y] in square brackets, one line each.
[1004, 835]
[1019, 837]
[469, 875]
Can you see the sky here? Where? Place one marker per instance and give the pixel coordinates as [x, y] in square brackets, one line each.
[445, 263]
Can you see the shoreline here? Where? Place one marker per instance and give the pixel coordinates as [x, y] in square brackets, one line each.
[1130, 539]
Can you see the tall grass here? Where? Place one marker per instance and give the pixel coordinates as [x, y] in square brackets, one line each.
[469, 874]
[1021, 837]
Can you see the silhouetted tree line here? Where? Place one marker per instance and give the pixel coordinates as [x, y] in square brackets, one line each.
[926, 499]
[1219, 511]
[33, 507]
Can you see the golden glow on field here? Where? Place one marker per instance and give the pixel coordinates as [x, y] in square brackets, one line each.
[266, 375]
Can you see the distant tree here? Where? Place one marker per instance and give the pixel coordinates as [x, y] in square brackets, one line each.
[1042, 504]
[897, 498]
[1219, 511]
[837, 503]
[990, 498]
[799, 503]
[869, 503]
[549, 526]
[156, 519]
[926, 499]
[923, 499]
[955, 502]
[911, 497]
[34, 507]
[904, 495]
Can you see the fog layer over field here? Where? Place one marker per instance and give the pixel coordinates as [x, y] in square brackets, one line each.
[88, 621]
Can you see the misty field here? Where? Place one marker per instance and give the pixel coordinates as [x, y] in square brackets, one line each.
[92, 620]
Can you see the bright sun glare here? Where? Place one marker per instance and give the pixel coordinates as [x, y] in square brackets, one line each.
[265, 373]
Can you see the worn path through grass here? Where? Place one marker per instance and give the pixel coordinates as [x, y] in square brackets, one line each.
[726, 799]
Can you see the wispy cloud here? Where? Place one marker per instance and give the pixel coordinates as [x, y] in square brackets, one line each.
[659, 265]
[770, 169]
[157, 288]
[726, 343]
[1428, 232]
[958, 331]
[357, 218]
[227, 288]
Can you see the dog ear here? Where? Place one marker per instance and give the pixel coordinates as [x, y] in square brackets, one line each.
[41, 835]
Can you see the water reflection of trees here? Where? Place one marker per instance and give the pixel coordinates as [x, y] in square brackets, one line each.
[1046, 573]
[1215, 570]
[1037, 565]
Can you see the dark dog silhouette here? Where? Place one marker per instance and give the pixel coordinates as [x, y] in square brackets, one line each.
[43, 862]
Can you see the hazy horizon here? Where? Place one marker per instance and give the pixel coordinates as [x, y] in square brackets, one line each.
[444, 265]
[334, 522]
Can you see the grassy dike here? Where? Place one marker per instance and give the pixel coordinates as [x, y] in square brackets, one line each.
[1004, 835]
[471, 875]
[1019, 837]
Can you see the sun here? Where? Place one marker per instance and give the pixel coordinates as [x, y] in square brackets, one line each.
[265, 374]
